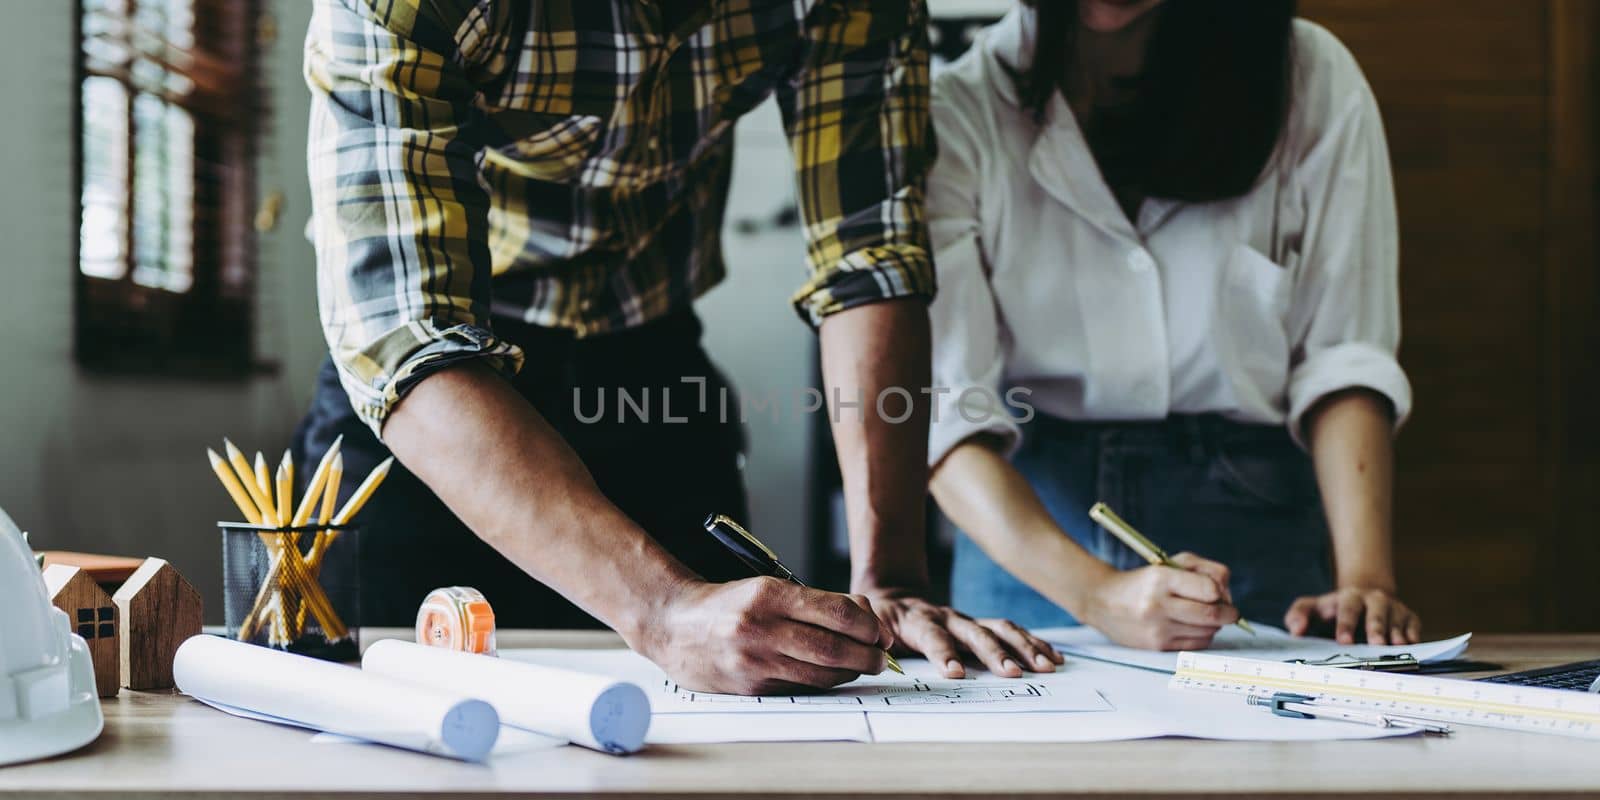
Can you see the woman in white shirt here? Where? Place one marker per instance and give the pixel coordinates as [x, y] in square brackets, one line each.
[1167, 243]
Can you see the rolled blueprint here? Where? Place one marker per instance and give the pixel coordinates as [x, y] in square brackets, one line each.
[592, 710]
[260, 683]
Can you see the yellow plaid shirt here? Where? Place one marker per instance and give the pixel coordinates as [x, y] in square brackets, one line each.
[565, 162]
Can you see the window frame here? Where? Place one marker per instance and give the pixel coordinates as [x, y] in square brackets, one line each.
[121, 326]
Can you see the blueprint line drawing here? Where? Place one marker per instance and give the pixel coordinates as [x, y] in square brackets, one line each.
[875, 696]
[924, 691]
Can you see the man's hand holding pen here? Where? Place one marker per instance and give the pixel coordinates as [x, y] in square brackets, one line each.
[921, 627]
[764, 636]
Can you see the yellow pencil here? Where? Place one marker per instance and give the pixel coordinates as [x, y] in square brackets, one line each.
[330, 498]
[291, 588]
[264, 480]
[241, 498]
[257, 512]
[1146, 549]
[363, 492]
[319, 479]
[326, 476]
[330, 495]
[285, 484]
[352, 507]
[247, 479]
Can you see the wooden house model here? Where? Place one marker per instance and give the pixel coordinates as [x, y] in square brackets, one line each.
[159, 609]
[94, 617]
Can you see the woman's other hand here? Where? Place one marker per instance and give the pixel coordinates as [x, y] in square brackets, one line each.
[1386, 619]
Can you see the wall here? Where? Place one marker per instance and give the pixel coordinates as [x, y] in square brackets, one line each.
[1490, 113]
[113, 464]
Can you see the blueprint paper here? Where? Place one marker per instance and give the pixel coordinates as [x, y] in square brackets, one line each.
[909, 696]
[920, 691]
[1135, 704]
[1145, 709]
[1269, 644]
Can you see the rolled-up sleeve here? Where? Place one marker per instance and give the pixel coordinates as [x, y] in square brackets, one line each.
[968, 342]
[399, 218]
[857, 119]
[1346, 309]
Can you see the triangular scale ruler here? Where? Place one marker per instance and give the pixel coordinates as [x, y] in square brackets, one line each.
[1494, 705]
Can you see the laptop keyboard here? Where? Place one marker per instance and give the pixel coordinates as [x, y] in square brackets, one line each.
[1576, 677]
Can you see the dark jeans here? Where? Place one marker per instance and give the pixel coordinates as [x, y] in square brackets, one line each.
[1240, 494]
[667, 476]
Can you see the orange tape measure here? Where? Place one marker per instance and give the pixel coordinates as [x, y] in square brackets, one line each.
[456, 618]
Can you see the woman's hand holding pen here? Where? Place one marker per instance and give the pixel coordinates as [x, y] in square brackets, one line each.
[764, 636]
[1161, 608]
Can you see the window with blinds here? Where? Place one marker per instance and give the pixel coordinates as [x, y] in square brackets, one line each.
[170, 100]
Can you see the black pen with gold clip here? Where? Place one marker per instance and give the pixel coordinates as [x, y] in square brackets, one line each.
[760, 558]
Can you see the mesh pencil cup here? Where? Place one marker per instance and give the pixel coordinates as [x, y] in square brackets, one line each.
[294, 589]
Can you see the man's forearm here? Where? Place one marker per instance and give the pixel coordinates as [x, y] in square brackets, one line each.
[484, 450]
[1351, 438]
[871, 352]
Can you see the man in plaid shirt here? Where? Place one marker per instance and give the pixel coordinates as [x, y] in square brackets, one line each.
[516, 204]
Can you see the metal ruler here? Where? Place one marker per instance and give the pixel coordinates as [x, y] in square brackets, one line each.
[1494, 705]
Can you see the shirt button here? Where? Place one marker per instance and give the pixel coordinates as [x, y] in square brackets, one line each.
[1139, 260]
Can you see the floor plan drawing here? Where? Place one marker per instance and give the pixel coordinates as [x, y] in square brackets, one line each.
[909, 695]
[923, 691]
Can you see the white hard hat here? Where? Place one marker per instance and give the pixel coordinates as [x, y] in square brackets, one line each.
[48, 702]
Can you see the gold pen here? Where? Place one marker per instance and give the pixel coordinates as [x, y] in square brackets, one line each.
[760, 558]
[1146, 549]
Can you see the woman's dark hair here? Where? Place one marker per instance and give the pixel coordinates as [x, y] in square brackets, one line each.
[1210, 103]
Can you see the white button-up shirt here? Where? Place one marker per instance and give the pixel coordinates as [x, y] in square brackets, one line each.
[1252, 308]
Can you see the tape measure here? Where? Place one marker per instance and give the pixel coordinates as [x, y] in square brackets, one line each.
[1494, 705]
[456, 618]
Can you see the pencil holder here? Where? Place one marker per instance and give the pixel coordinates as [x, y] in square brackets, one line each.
[294, 589]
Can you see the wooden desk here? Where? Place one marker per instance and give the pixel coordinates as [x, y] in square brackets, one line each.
[165, 746]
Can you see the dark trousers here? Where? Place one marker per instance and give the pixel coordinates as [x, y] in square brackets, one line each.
[665, 474]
